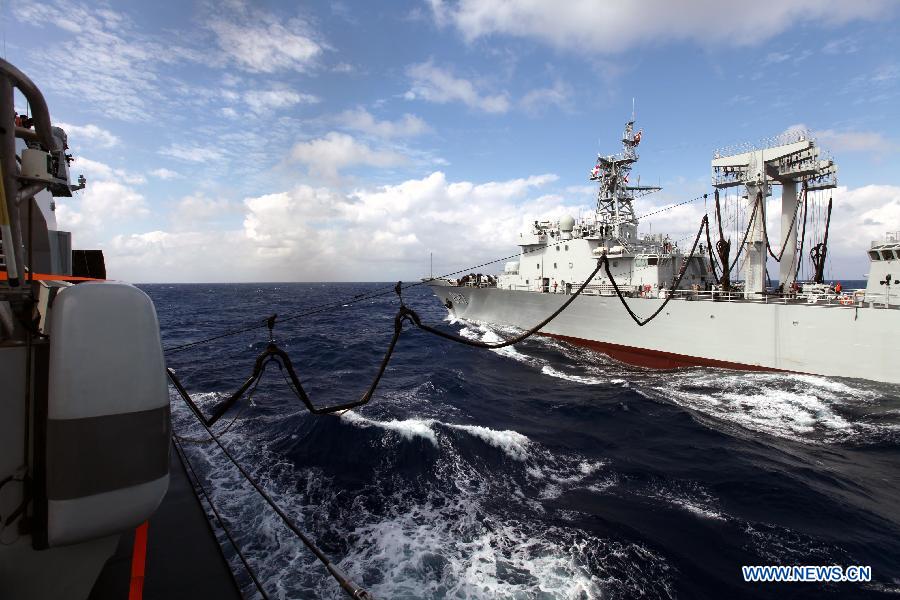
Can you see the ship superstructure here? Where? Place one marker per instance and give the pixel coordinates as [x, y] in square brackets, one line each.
[556, 255]
[710, 301]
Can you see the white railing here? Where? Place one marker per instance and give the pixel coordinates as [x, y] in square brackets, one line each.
[848, 298]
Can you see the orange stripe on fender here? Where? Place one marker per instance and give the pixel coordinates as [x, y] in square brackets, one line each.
[138, 562]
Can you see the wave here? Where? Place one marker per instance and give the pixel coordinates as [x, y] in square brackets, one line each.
[465, 535]
[810, 408]
[513, 444]
[407, 428]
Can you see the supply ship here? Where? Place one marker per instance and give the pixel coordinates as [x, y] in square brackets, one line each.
[662, 304]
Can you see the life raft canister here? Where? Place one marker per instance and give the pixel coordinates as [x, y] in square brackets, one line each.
[102, 449]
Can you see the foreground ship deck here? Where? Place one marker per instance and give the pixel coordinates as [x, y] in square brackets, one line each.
[183, 558]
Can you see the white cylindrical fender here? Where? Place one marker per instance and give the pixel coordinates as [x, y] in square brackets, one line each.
[103, 450]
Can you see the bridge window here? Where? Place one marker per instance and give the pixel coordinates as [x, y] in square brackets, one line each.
[567, 247]
[554, 265]
[557, 248]
[653, 260]
[873, 254]
[887, 255]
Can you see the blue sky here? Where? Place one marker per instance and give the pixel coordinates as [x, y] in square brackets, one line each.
[262, 141]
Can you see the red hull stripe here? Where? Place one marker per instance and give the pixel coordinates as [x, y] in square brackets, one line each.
[656, 359]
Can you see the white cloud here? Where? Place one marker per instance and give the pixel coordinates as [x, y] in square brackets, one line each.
[539, 99]
[98, 170]
[193, 152]
[199, 210]
[101, 59]
[841, 46]
[265, 101]
[855, 141]
[362, 120]
[102, 202]
[314, 233]
[163, 173]
[438, 85]
[849, 140]
[261, 43]
[614, 28]
[326, 156]
[100, 137]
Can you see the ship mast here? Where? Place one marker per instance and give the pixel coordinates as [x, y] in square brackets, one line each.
[615, 196]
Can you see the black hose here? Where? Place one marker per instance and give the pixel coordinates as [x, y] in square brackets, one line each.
[416, 320]
[641, 322]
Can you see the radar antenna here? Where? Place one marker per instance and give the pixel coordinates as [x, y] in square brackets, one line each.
[615, 197]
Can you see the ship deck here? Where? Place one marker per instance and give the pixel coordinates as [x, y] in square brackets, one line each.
[183, 557]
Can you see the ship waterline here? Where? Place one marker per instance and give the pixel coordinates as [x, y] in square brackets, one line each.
[779, 335]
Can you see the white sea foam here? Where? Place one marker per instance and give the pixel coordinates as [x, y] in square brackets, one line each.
[408, 429]
[548, 370]
[514, 444]
[456, 542]
[779, 404]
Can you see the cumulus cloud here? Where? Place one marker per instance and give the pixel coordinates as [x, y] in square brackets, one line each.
[198, 210]
[92, 134]
[614, 28]
[314, 233]
[101, 203]
[328, 155]
[361, 120]
[98, 170]
[434, 84]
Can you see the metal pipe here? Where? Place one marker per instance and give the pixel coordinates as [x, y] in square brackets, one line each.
[9, 210]
[27, 134]
[39, 111]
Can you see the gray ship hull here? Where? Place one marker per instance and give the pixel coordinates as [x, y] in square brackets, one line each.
[831, 340]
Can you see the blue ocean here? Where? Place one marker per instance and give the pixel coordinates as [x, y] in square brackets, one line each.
[537, 471]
